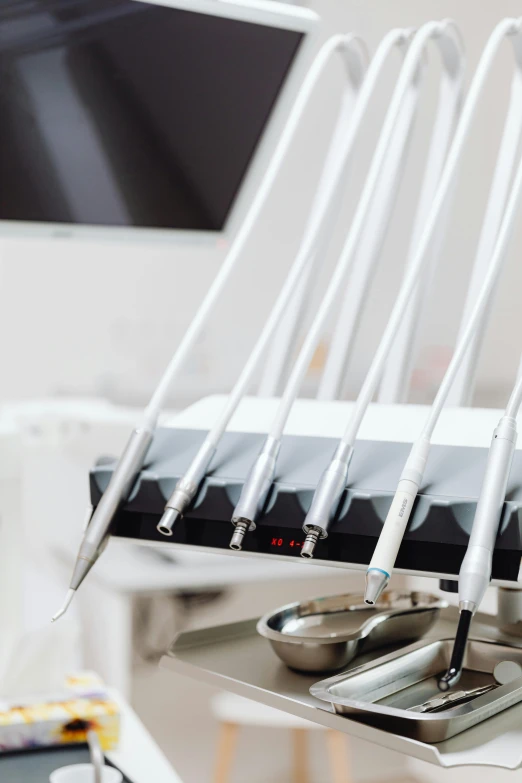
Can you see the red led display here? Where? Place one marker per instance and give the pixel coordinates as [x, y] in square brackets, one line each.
[279, 542]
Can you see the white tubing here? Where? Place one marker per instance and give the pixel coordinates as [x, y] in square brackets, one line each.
[395, 381]
[482, 303]
[354, 57]
[277, 360]
[370, 247]
[188, 485]
[393, 39]
[440, 32]
[448, 109]
[385, 553]
[515, 401]
[506, 27]
[462, 389]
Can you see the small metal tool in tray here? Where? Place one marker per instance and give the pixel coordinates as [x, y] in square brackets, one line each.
[325, 634]
[383, 692]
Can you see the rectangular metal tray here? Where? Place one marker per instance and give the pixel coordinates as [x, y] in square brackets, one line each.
[235, 658]
[381, 692]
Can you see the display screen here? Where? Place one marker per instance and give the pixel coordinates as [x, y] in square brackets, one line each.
[122, 113]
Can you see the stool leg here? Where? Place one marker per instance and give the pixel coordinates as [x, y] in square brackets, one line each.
[339, 757]
[300, 771]
[225, 752]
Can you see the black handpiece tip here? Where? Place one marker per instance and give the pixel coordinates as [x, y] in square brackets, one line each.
[448, 680]
[452, 676]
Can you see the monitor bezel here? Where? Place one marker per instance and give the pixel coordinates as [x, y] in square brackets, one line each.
[267, 12]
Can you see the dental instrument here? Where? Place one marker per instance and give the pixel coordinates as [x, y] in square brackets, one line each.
[328, 202]
[394, 384]
[95, 536]
[333, 481]
[475, 571]
[386, 550]
[261, 476]
[504, 673]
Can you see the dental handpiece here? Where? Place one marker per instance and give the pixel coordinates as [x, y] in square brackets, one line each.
[95, 537]
[475, 571]
[383, 560]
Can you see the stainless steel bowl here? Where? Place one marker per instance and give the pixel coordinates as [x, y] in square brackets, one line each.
[325, 634]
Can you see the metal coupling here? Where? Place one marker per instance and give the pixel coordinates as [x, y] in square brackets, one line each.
[186, 488]
[241, 528]
[257, 486]
[308, 548]
[328, 493]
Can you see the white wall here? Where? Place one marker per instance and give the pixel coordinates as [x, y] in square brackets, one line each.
[102, 319]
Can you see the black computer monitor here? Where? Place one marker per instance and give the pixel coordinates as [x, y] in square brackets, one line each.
[155, 116]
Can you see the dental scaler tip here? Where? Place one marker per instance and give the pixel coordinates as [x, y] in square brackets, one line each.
[376, 582]
[66, 605]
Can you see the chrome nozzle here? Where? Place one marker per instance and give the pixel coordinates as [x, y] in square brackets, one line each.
[236, 542]
[376, 582]
[187, 488]
[309, 545]
[167, 521]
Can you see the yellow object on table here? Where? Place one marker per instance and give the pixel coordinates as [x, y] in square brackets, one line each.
[61, 719]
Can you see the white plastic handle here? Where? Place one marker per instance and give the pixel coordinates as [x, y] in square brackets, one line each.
[385, 552]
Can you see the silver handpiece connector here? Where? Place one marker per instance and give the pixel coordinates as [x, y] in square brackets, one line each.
[255, 492]
[326, 499]
[186, 488]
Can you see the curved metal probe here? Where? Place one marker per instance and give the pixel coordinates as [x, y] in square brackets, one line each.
[452, 676]
[66, 605]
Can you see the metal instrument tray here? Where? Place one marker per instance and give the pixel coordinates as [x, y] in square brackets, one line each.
[325, 634]
[382, 692]
[235, 658]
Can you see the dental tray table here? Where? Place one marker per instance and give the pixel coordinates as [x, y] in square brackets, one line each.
[434, 543]
[35, 766]
[235, 658]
